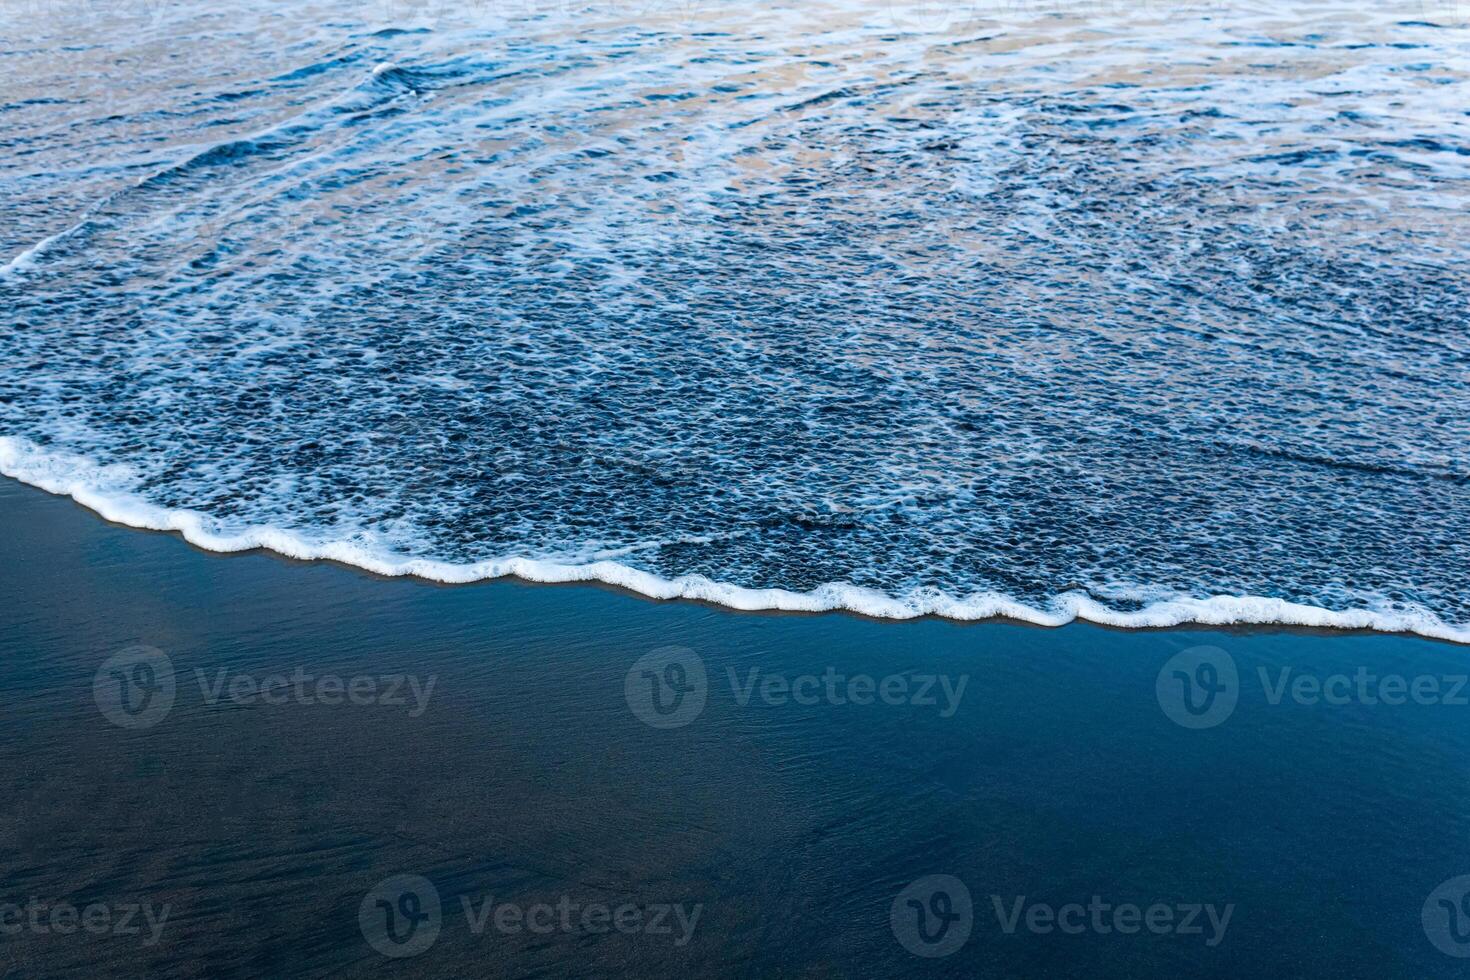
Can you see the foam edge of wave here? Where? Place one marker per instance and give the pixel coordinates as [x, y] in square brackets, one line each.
[66, 475]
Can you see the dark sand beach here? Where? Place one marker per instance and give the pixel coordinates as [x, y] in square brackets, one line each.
[491, 741]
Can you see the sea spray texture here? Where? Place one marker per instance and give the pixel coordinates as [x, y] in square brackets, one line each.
[1144, 315]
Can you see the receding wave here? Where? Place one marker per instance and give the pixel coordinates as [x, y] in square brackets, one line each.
[75, 478]
[1133, 315]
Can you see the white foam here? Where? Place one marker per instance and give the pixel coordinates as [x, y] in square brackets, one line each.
[103, 489]
[26, 259]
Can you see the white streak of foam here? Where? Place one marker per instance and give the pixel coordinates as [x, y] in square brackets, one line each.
[103, 489]
[27, 259]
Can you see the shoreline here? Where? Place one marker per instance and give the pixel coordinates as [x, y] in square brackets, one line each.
[1219, 611]
[1237, 629]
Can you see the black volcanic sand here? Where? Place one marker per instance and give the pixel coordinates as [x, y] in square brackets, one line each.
[528, 779]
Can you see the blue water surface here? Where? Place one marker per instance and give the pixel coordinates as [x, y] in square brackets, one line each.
[967, 310]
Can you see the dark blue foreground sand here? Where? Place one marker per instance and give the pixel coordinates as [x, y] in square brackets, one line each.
[771, 838]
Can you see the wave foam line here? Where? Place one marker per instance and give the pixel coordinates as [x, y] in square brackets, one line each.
[88, 484]
[26, 259]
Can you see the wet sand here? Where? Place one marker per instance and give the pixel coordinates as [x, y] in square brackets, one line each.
[537, 755]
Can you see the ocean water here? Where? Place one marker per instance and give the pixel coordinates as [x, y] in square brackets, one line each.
[1143, 313]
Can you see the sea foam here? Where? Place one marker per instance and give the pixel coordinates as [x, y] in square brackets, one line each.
[87, 484]
[898, 310]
